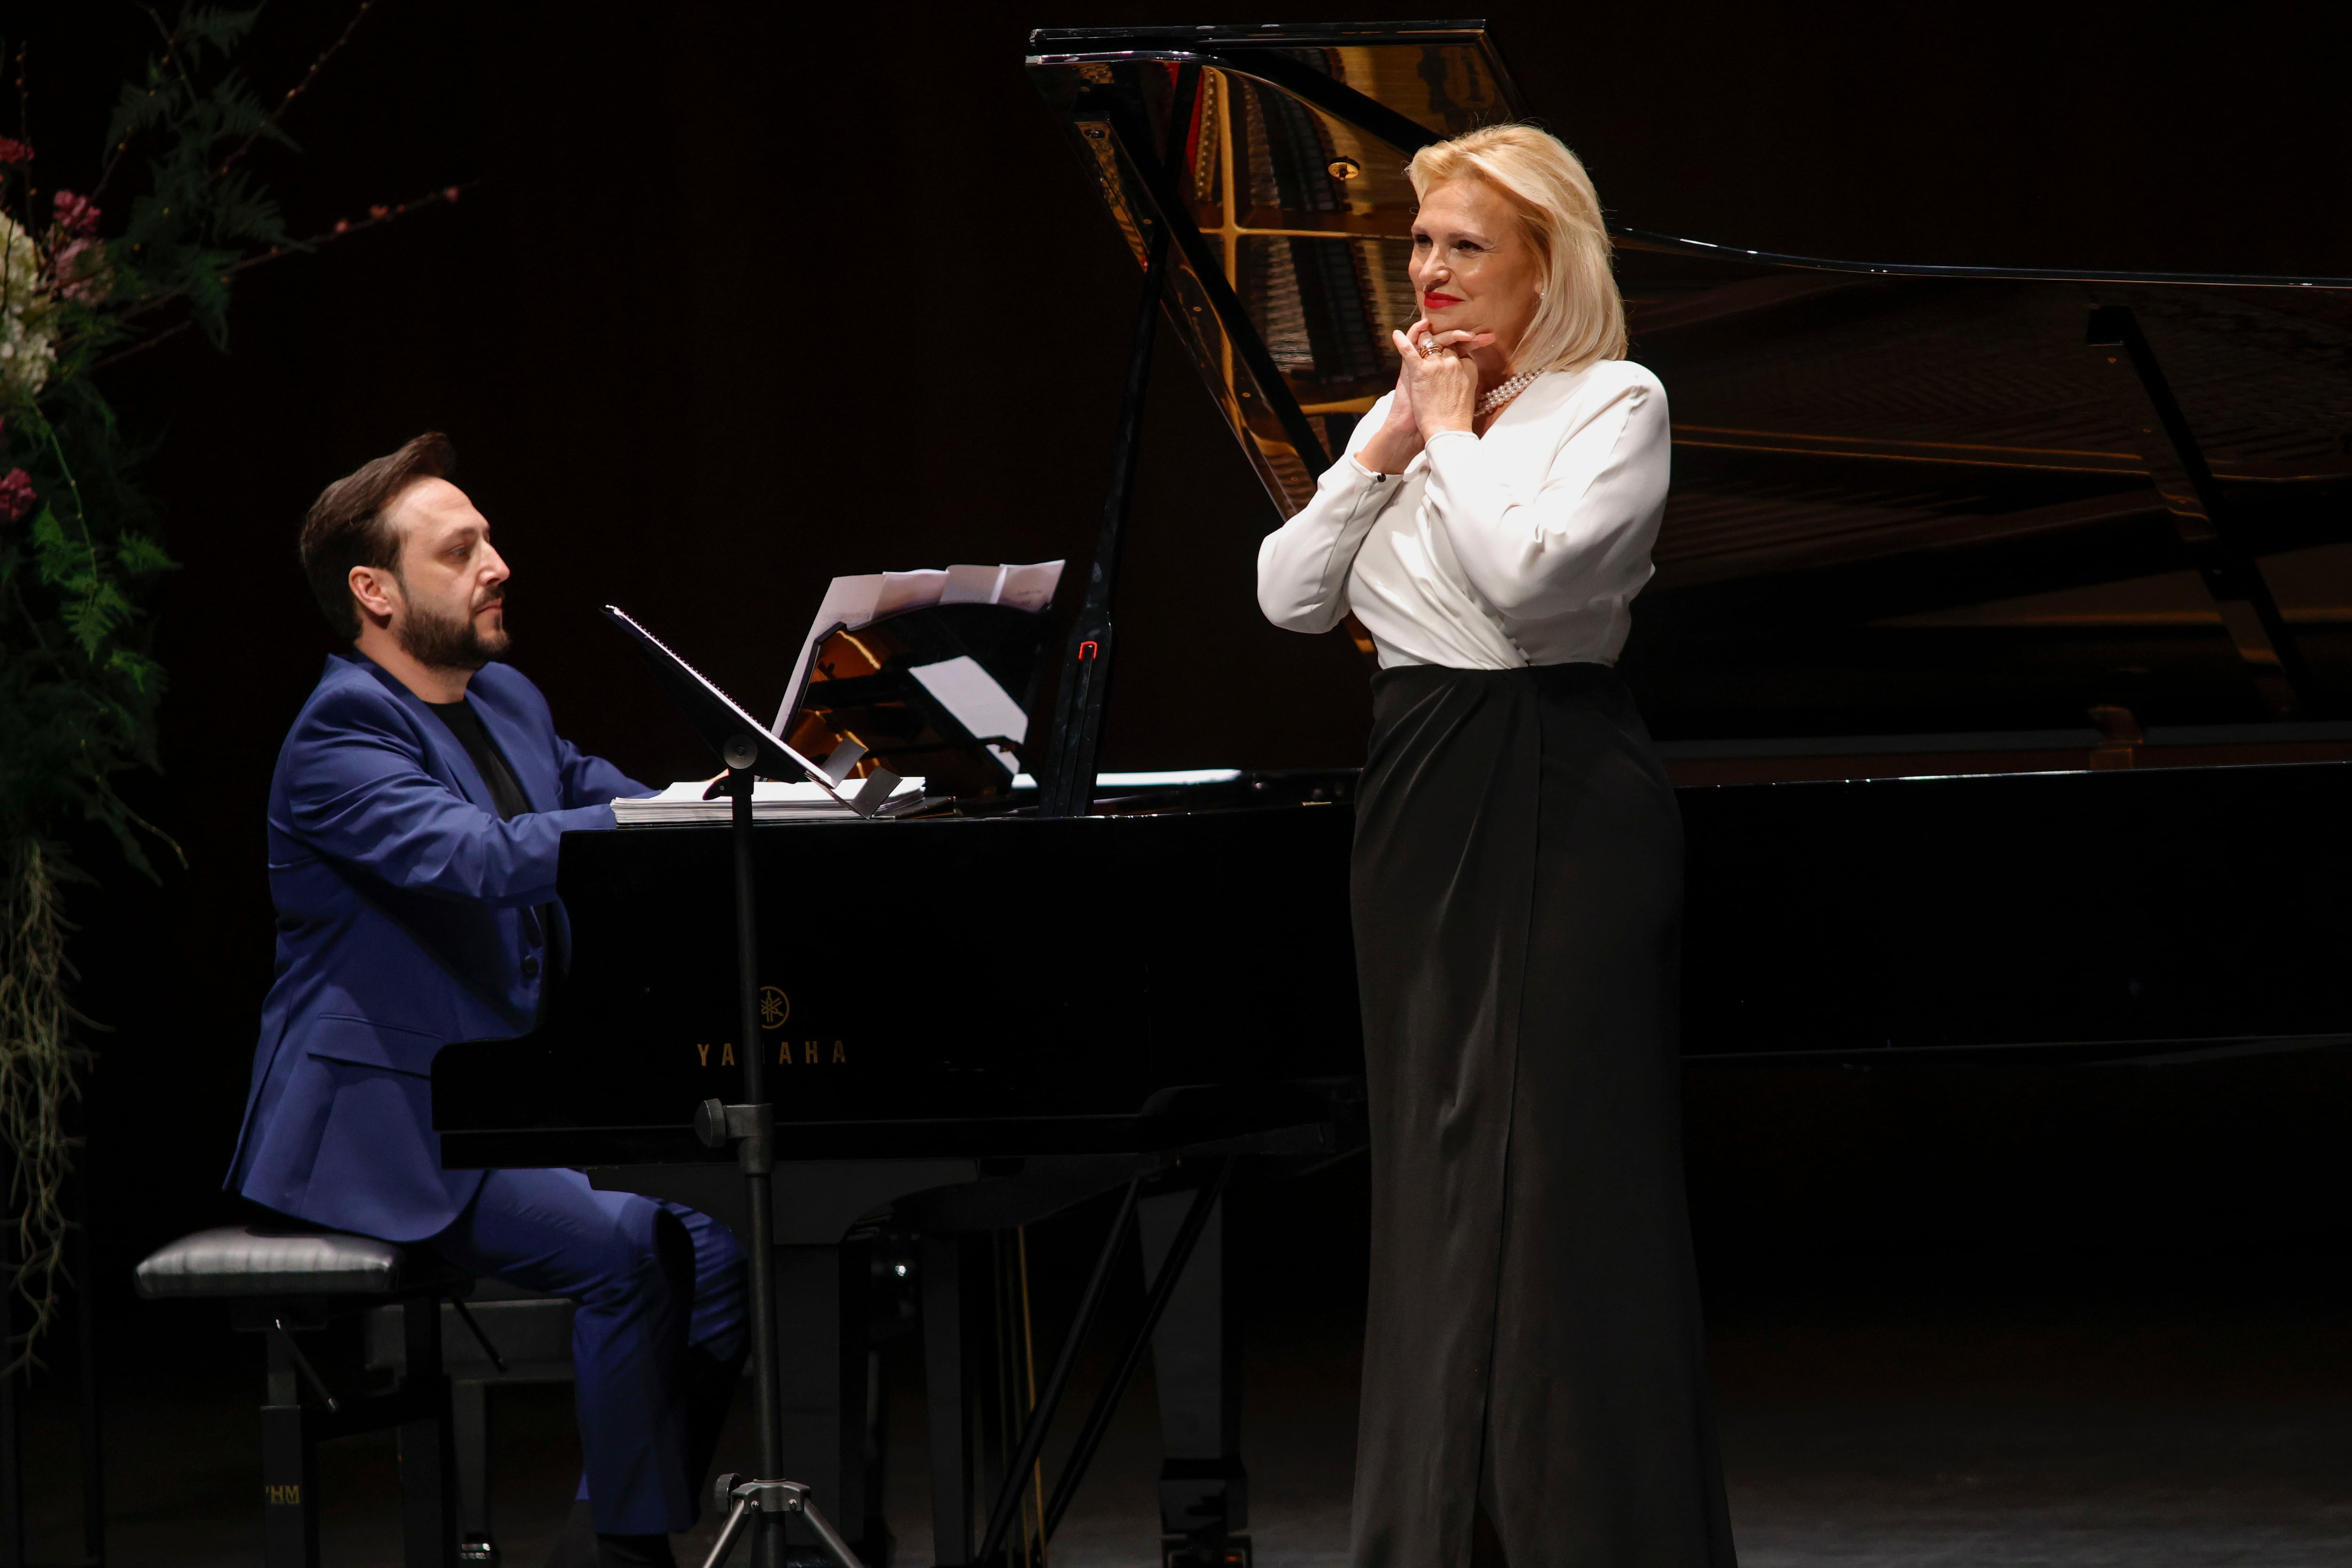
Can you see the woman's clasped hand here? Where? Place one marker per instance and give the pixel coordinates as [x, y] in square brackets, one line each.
[1436, 390]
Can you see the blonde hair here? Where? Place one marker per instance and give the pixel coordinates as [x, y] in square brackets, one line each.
[1581, 317]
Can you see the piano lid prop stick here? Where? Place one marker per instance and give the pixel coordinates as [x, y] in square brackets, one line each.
[1074, 746]
[1163, 1287]
[1041, 1415]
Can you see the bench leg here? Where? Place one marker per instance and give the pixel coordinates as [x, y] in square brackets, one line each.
[289, 1489]
[428, 1502]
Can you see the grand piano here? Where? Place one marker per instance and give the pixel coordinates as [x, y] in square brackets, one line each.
[1998, 647]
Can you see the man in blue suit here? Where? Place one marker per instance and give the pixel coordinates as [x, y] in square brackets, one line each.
[413, 820]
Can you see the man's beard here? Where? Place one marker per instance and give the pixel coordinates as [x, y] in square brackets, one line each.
[447, 643]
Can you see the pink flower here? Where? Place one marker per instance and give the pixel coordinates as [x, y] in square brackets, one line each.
[378, 211]
[14, 152]
[16, 495]
[342, 226]
[80, 269]
[75, 216]
[448, 193]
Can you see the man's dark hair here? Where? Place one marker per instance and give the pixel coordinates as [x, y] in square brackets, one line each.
[345, 526]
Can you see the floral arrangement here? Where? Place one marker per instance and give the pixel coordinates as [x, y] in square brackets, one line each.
[146, 249]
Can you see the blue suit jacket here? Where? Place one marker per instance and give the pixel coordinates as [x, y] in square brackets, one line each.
[401, 928]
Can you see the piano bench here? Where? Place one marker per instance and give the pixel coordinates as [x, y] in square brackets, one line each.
[282, 1281]
[532, 1337]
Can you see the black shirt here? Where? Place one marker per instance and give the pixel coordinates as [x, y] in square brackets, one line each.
[466, 726]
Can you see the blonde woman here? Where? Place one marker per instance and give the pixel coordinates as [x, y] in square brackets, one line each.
[1534, 1348]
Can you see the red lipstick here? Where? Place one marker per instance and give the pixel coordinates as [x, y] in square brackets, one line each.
[1438, 301]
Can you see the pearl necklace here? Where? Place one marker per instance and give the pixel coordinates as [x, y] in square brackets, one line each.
[1507, 391]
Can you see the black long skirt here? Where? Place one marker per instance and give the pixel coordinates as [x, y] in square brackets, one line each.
[1534, 1341]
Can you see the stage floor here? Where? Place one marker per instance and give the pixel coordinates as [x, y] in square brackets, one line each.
[1866, 1423]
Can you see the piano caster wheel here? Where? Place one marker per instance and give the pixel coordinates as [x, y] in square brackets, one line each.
[478, 1550]
[1212, 1552]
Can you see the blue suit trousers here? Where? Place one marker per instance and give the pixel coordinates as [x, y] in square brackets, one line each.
[657, 1339]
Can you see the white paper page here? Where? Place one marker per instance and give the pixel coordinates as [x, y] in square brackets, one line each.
[764, 793]
[971, 585]
[973, 696]
[855, 601]
[1030, 587]
[910, 590]
[848, 602]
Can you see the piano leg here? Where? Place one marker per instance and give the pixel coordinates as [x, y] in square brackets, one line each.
[822, 1354]
[1196, 1360]
[946, 1395]
[877, 1433]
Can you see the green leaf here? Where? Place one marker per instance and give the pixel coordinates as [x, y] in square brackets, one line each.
[61, 562]
[143, 674]
[93, 614]
[138, 109]
[213, 26]
[141, 555]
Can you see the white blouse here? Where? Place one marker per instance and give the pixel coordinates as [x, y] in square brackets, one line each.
[1520, 547]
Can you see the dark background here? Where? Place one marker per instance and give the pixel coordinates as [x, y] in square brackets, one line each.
[750, 294]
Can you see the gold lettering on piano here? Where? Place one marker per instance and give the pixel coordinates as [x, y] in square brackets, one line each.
[806, 1053]
[287, 1495]
[774, 1006]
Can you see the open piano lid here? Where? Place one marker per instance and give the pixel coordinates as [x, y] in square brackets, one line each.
[1914, 509]
[1292, 222]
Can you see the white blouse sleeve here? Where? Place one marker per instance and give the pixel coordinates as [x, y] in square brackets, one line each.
[1585, 535]
[1302, 566]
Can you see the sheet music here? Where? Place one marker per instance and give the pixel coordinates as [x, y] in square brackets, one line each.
[980, 703]
[855, 602]
[771, 802]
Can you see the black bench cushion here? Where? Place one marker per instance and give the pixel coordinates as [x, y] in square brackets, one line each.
[245, 1260]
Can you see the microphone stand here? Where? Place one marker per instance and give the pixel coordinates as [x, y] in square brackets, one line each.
[755, 1153]
[747, 747]
[752, 1126]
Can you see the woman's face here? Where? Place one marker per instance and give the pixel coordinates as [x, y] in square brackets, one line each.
[1472, 268]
